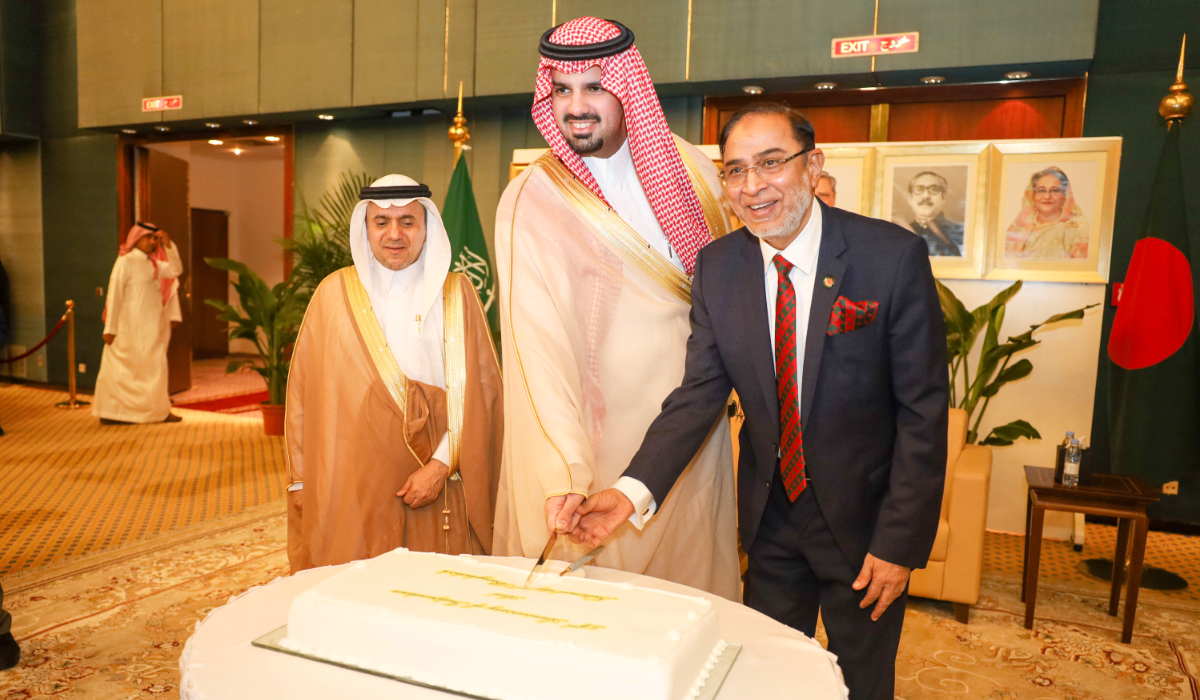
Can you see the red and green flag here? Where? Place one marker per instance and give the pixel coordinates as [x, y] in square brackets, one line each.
[1154, 397]
[468, 249]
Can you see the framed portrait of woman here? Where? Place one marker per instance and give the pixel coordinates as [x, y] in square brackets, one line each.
[1052, 209]
[938, 191]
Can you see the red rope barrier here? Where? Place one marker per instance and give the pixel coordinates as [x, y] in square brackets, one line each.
[37, 347]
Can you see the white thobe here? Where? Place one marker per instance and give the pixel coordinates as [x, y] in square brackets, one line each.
[415, 335]
[802, 254]
[131, 385]
[619, 182]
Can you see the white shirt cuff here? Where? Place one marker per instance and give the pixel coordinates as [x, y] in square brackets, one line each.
[643, 501]
[296, 486]
[442, 453]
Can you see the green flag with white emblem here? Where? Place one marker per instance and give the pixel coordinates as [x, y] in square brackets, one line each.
[469, 253]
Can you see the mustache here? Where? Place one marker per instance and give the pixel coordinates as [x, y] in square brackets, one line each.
[585, 117]
[925, 200]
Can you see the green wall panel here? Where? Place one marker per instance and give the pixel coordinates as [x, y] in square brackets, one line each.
[1131, 39]
[989, 33]
[210, 56]
[119, 60]
[659, 29]
[506, 40]
[745, 39]
[305, 54]
[385, 51]
[21, 248]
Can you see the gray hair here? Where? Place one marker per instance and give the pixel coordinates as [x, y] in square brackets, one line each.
[1052, 170]
[832, 180]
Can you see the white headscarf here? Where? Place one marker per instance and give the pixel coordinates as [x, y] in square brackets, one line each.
[398, 297]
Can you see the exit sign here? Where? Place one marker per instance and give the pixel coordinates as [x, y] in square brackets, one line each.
[877, 45]
[162, 104]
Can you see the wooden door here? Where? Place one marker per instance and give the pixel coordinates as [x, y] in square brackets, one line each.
[210, 239]
[163, 190]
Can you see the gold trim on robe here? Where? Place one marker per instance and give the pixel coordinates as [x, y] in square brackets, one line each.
[456, 364]
[714, 214]
[381, 355]
[627, 241]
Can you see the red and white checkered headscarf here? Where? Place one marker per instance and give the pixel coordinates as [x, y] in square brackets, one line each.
[658, 165]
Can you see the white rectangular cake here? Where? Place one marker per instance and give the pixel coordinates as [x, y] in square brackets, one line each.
[472, 627]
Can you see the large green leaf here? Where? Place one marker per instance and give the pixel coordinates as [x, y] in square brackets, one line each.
[1020, 370]
[982, 314]
[1010, 433]
[959, 322]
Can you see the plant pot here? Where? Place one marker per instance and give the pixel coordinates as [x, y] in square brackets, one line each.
[272, 418]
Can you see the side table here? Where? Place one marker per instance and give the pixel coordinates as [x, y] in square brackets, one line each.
[1116, 496]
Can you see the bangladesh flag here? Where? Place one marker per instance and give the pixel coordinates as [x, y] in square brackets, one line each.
[468, 250]
[1154, 418]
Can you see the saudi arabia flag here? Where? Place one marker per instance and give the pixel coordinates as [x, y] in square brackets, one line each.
[1154, 410]
[469, 253]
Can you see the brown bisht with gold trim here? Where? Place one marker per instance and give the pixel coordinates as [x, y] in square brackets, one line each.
[357, 428]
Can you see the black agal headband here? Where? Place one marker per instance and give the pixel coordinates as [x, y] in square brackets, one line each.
[400, 192]
[586, 52]
[148, 227]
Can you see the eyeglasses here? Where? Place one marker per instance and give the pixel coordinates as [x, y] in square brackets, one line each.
[769, 167]
[1053, 191]
[922, 189]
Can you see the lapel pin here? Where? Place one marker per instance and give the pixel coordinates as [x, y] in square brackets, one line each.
[828, 282]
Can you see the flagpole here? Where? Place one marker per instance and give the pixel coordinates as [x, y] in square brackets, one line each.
[1177, 105]
[458, 133]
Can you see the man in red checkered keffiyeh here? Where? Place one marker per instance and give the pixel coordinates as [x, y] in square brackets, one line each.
[596, 243]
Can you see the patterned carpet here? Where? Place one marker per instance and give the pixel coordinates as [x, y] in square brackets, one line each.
[70, 486]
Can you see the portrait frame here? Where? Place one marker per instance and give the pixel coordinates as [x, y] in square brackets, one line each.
[1092, 166]
[955, 157]
[852, 165]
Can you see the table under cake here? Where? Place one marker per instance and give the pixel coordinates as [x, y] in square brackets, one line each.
[220, 662]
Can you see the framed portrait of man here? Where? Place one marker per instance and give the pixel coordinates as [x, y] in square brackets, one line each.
[846, 179]
[939, 193]
[1053, 205]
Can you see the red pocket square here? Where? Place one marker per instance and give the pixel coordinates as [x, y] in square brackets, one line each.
[851, 315]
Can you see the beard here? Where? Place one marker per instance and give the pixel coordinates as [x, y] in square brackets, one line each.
[584, 145]
[801, 201]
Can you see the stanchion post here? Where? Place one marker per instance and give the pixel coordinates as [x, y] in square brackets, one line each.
[72, 402]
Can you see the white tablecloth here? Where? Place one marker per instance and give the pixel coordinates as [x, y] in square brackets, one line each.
[219, 663]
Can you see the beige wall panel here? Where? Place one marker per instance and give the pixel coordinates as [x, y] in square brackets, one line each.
[119, 45]
[659, 29]
[506, 54]
[748, 39]
[305, 55]
[21, 251]
[446, 42]
[210, 56]
[460, 64]
[385, 51]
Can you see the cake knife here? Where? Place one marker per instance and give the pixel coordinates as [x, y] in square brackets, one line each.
[542, 559]
[587, 558]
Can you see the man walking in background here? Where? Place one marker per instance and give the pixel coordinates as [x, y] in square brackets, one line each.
[131, 386]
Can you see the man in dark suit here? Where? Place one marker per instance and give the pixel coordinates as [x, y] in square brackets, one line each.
[827, 324]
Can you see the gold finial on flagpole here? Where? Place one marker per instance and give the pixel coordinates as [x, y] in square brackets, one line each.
[458, 133]
[1179, 103]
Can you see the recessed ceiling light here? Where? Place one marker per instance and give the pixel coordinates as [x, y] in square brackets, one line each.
[212, 125]
[128, 131]
[1017, 75]
[933, 79]
[825, 86]
[249, 122]
[272, 139]
[163, 128]
[216, 142]
[237, 151]
[752, 90]
[326, 117]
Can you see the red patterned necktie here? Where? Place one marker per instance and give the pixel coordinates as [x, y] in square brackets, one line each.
[791, 438]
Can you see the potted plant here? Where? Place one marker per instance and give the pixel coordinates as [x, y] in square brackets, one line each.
[270, 318]
[993, 370]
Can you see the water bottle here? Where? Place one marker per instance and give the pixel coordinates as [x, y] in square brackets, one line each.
[1059, 453]
[1071, 464]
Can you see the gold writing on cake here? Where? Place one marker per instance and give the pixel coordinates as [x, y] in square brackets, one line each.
[493, 581]
[540, 619]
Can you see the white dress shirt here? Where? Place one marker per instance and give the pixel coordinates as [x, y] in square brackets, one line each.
[619, 182]
[802, 254]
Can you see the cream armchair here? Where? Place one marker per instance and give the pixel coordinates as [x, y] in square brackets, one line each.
[957, 559]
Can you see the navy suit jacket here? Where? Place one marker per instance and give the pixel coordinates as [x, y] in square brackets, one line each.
[874, 401]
